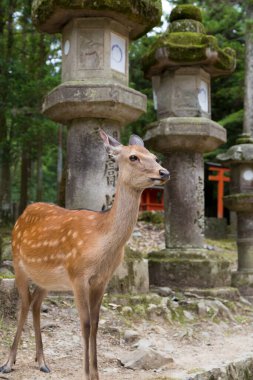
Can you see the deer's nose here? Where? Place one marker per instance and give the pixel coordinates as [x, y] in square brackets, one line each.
[164, 174]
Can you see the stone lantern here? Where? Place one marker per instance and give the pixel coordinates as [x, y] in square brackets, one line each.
[94, 92]
[180, 65]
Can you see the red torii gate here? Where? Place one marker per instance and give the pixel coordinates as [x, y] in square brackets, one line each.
[220, 177]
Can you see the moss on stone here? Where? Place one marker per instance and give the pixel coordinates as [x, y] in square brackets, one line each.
[147, 12]
[186, 26]
[186, 42]
[244, 139]
[131, 255]
[190, 47]
[186, 11]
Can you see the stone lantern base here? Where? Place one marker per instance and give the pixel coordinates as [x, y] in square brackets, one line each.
[243, 280]
[188, 268]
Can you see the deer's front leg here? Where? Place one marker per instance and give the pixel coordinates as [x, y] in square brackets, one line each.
[96, 296]
[81, 293]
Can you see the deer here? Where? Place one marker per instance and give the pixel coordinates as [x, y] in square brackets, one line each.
[58, 249]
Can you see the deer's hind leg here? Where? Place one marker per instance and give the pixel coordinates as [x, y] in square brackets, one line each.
[25, 297]
[37, 298]
[81, 294]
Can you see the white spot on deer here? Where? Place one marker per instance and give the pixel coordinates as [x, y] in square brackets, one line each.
[88, 232]
[39, 260]
[74, 252]
[19, 234]
[63, 239]
[33, 260]
[91, 217]
[80, 242]
[69, 232]
[74, 234]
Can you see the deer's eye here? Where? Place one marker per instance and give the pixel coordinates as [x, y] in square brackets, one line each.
[158, 161]
[133, 158]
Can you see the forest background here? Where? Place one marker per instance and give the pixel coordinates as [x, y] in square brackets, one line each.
[32, 147]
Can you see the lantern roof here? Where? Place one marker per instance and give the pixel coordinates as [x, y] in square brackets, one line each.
[139, 16]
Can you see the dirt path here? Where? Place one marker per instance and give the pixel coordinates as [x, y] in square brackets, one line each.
[194, 347]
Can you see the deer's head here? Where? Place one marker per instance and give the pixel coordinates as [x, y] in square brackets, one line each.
[138, 167]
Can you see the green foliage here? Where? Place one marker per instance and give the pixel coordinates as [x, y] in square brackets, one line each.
[154, 217]
[28, 70]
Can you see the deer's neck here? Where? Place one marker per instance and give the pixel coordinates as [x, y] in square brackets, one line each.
[124, 213]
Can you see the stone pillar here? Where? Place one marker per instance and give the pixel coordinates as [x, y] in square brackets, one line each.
[240, 200]
[187, 173]
[94, 92]
[181, 64]
[240, 158]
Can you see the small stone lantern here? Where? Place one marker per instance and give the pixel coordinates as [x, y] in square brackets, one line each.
[240, 200]
[94, 92]
[180, 65]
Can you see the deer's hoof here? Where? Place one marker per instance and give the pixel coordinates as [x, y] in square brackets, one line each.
[44, 368]
[5, 369]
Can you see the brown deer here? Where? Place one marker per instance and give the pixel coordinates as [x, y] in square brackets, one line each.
[59, 249]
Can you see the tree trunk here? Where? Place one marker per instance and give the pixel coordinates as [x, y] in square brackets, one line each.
[248, 92]
[5, 133]
[39, 193]
[25, 175]
[59, 165]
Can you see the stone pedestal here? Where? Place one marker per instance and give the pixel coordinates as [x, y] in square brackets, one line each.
[184, 268]
[94, 92]
[183, 141]
[180, 65]
[240, 200]
[132, 276]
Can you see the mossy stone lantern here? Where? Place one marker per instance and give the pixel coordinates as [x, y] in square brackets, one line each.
[240, 200]
[94, 92]
[180, 65]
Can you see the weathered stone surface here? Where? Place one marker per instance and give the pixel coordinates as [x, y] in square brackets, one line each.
[227, 293]
[145, 358]
[187, 178]
[186, 43]
[108, 101]
[163, 291]
[185, 134]
[87, 51]
[8, 298]
[131, 276]
[88, 163]
[237, 154]
[243, 280]
[216, 228]
[241, 370]
[189, 93]
[241, 202]
[131, 336]
[188, 268]
[139, 16]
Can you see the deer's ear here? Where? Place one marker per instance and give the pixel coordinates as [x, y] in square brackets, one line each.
[112, 146]
[135, 140]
